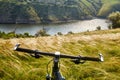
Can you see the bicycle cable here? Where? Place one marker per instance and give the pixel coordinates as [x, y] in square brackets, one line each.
[48, 65]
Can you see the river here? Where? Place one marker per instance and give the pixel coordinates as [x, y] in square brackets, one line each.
[52, 29]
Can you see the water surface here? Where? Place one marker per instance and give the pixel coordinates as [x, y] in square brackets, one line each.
[52, 29]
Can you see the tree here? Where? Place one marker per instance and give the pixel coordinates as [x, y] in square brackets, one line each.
[115, 18]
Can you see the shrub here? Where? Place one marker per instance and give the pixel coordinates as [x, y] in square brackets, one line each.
[115, 18]
[26, 34]
[110, 27]
[41, 33]
[13, 35]
[99, 28]
[70, 32]
[59, 33]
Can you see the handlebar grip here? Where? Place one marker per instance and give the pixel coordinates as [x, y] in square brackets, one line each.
[93, 59]
[16, 48]
[90, 59]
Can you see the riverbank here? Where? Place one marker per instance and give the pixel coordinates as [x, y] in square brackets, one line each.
[85, 36]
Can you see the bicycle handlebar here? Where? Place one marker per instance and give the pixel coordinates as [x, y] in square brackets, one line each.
[16, 48]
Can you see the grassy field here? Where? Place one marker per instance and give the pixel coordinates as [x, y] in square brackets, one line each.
[20, 66]
[109, 6]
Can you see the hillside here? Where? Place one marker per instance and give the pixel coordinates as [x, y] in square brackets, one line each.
[108, 7]
[54, 11]
[20, 66]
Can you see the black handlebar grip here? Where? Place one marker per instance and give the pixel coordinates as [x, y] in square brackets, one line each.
[90, 59]
[16, 48]
[93, 59]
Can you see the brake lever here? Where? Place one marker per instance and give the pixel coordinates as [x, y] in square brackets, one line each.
[36, 55]
[76, 61]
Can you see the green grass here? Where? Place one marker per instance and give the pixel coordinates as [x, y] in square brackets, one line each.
[20, 66]
[108, 7]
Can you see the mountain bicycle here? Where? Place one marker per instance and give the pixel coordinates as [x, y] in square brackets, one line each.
[56, 75]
